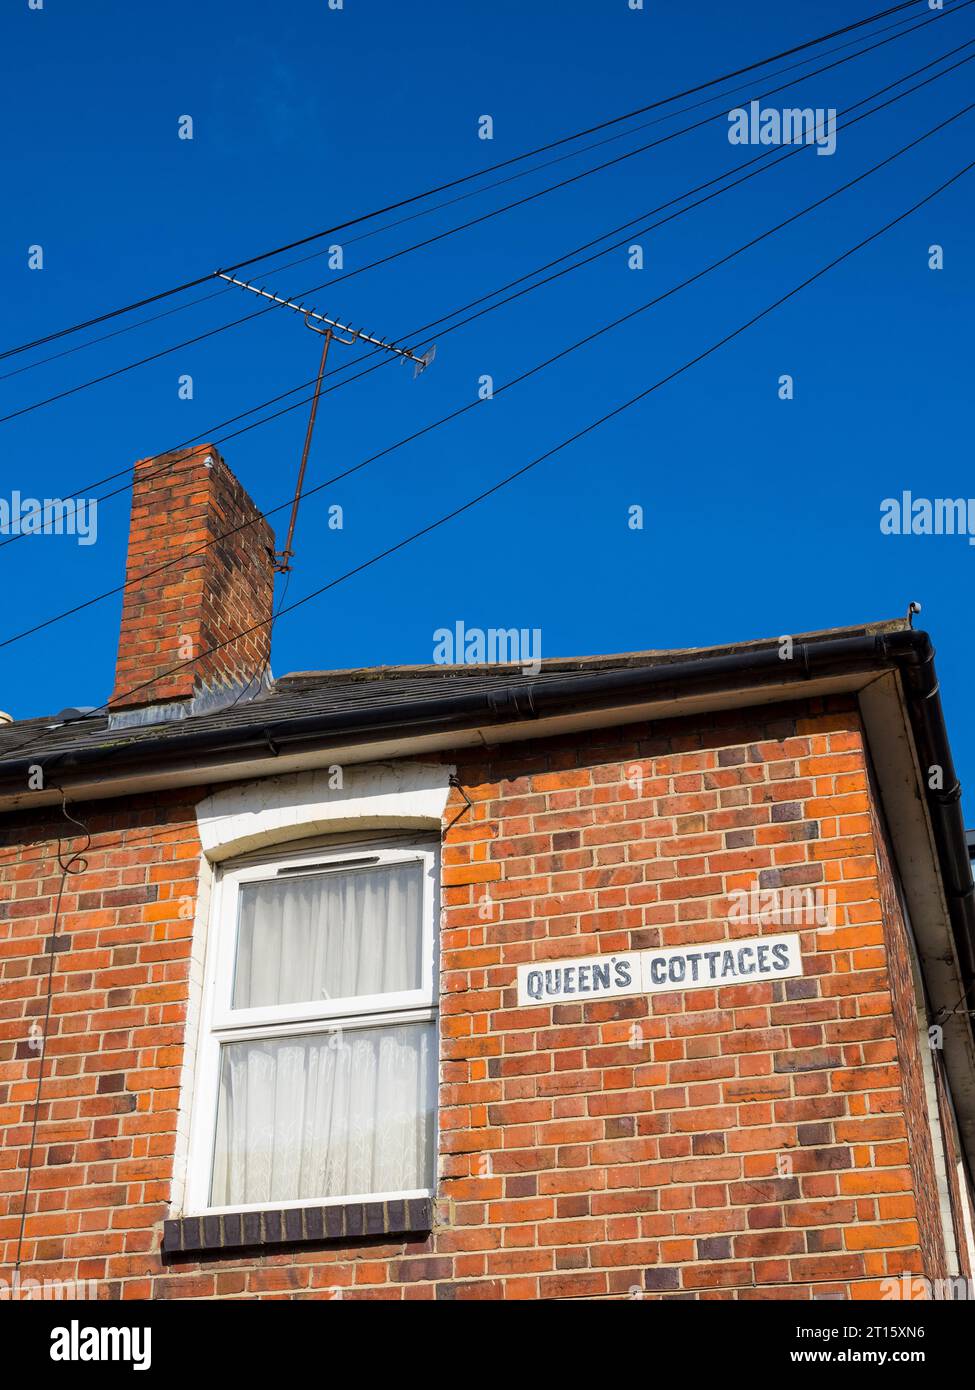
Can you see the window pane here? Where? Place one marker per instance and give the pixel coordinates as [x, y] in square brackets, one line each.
[329, 936]
[333, 1114]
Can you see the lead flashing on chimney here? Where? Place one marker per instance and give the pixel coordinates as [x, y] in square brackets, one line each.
[208, 701]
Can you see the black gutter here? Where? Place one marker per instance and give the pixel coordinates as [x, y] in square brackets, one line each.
[524, 698]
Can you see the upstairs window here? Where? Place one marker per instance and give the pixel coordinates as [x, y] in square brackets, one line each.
[317, 1072]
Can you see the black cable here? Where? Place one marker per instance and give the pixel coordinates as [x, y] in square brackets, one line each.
[550, 453]
[453, 231]
[68, 867]
[455, 183]
[423, 329]
[629, 154]
[471, 405]
[437, 207]
[500, 303]
[594, 425]
[462, 227]
[597, 144]
[641, 231]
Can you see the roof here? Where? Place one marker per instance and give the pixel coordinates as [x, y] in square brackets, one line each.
[358, 695]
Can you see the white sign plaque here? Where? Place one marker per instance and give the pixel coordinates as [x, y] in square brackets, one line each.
[584, 977]
[666, 968]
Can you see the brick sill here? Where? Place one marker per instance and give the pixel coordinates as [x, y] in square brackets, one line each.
[349, 1223]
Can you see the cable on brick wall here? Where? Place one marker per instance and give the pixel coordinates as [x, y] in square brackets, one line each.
[75, 863]
[454, 781]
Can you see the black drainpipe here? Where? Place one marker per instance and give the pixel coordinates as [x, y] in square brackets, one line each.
[916, 666]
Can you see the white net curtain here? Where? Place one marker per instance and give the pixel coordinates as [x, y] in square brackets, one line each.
[347, 1110]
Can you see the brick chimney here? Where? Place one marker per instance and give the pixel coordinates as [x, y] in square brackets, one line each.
[210, 590]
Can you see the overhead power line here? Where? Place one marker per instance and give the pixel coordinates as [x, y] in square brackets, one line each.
[499, 390]
[587, 429]
[457, 182]
[763, 158]
[461, 227]
[418, 334]
[450, 202]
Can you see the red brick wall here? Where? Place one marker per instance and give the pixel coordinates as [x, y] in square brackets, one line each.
[743, 1141]
[103, 1158]
[186, 592]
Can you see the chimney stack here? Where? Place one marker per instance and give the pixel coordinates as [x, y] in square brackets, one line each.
[210, 590]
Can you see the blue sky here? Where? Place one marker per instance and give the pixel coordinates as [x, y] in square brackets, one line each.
[761, 516]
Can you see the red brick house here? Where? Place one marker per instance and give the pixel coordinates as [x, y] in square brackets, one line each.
[631, 976]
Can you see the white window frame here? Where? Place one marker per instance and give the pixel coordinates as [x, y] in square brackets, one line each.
[220, 1023]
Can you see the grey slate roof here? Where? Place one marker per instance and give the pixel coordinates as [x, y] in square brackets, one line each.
[380, 690]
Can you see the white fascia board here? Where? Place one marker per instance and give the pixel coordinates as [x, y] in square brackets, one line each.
[234, 767]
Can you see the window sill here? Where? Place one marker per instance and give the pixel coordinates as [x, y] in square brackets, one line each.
[349, 1223]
